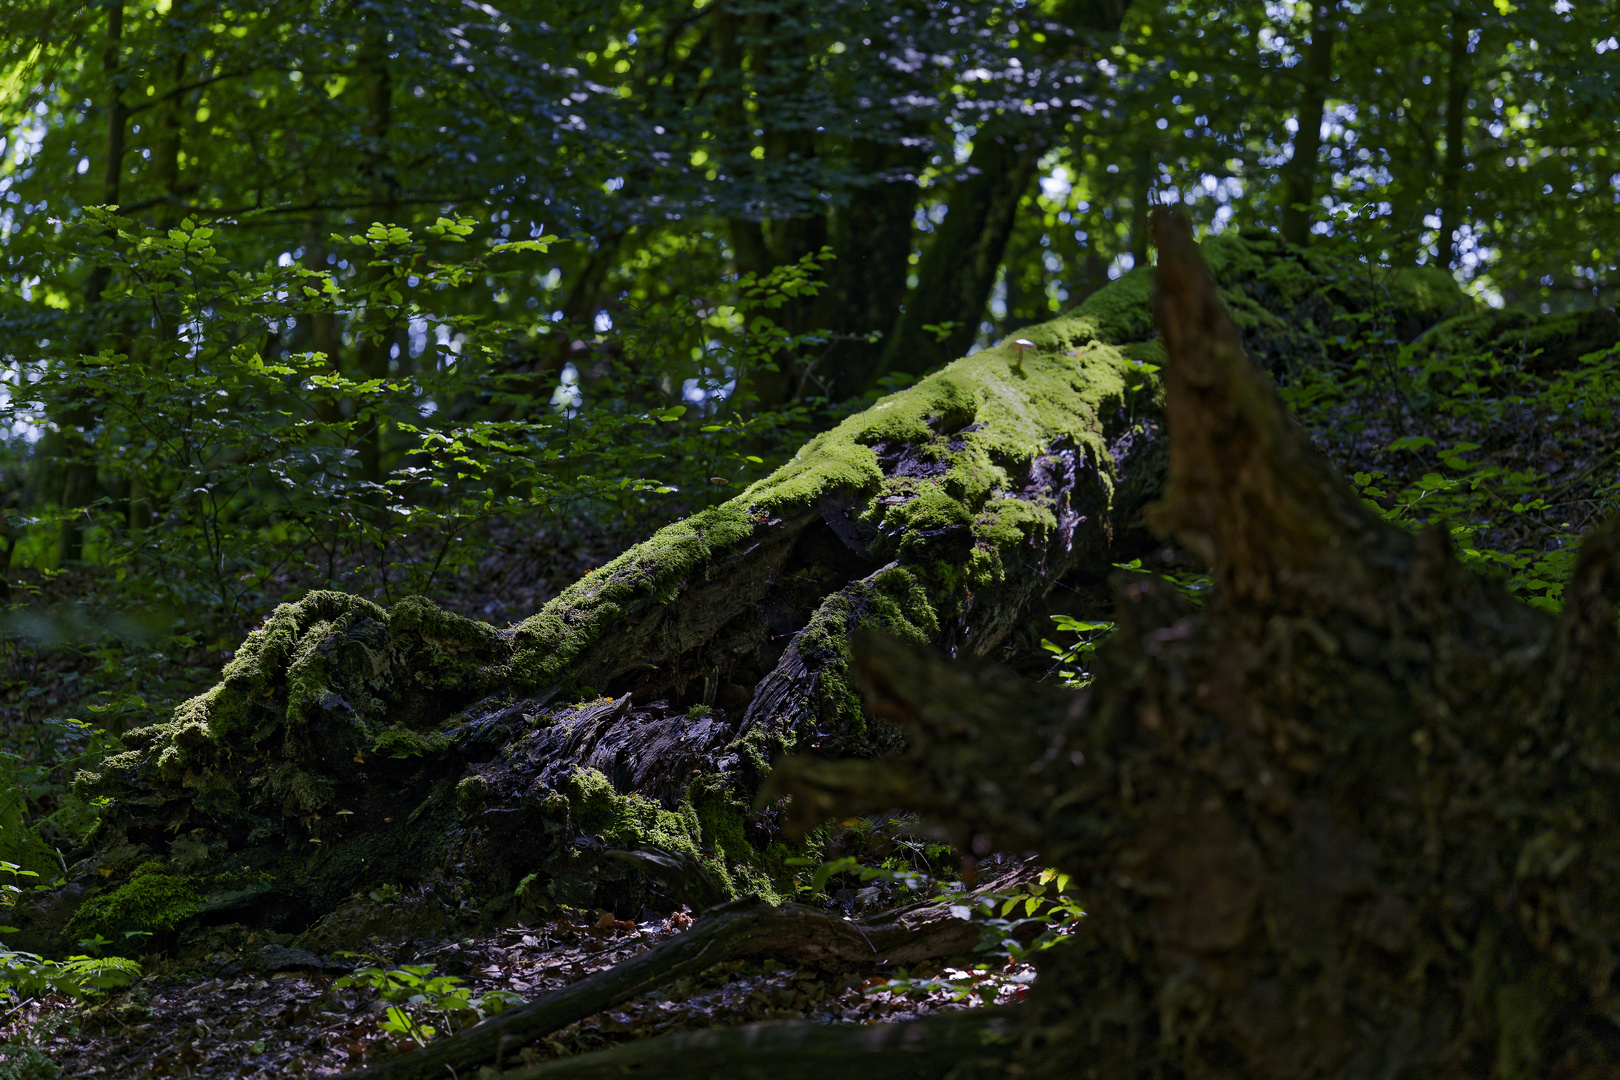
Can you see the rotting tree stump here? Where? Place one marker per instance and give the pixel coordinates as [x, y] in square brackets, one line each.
[608, 751]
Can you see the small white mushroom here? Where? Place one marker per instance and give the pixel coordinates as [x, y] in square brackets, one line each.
[1020, 347]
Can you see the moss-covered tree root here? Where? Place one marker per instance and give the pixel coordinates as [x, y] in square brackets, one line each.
[981, 1042]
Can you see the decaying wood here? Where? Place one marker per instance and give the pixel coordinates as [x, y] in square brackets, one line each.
[923, 930]
[1356, 817]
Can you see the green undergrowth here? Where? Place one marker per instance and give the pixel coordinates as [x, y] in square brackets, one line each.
[1487, 374]
[25, 975]
[414, 990]
[1015, 926]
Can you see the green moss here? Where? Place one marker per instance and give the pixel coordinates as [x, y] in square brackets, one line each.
[402, 742]
[472, 789]
[1016, 415]
[1119, 313]
[627, 820]
[707, 827]
[333, 660]
[547, 644]
[152, 899]
[301, 791]
[896, 600]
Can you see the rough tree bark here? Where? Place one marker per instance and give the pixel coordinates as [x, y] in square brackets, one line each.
[608, 750]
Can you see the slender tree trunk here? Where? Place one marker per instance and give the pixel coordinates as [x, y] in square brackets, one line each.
[866, 283]
[958, 268]
[1459, 72]
[168, 128]
[1141, 204]
[382, 194]
[117, 127]
[1303, 169]
[78, 475]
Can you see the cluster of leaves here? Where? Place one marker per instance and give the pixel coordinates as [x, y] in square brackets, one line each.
[237, 460]
[413, 990]
[1015, 927]
[1070, 659]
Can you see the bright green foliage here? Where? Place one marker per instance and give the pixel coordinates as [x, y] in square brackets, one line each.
[414, 989]
[28, 976]
[1088, 635]
[1016, 926]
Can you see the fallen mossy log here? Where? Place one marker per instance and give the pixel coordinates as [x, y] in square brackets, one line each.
[924, 930]
[348, 745]
[1358, 816]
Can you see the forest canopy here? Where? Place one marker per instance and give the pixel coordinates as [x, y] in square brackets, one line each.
[458, 262]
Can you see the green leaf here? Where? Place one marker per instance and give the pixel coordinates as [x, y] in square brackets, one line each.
[1411, 442]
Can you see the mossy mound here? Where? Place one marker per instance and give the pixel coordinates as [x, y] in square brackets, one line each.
[154, 898]
[1540, 344]
[330, 677]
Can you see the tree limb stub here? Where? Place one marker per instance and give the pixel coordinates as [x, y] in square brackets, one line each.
[1355, 817]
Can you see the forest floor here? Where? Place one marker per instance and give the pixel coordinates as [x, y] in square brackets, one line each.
[264, 1006]
[1523, 478]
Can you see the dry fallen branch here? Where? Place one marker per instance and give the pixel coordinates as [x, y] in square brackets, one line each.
[743, 928]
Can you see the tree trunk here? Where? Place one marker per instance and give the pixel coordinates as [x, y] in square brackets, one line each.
[958, 267]
[608, 750]
[1459, 73]
[1299, 190]
[63, 473]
